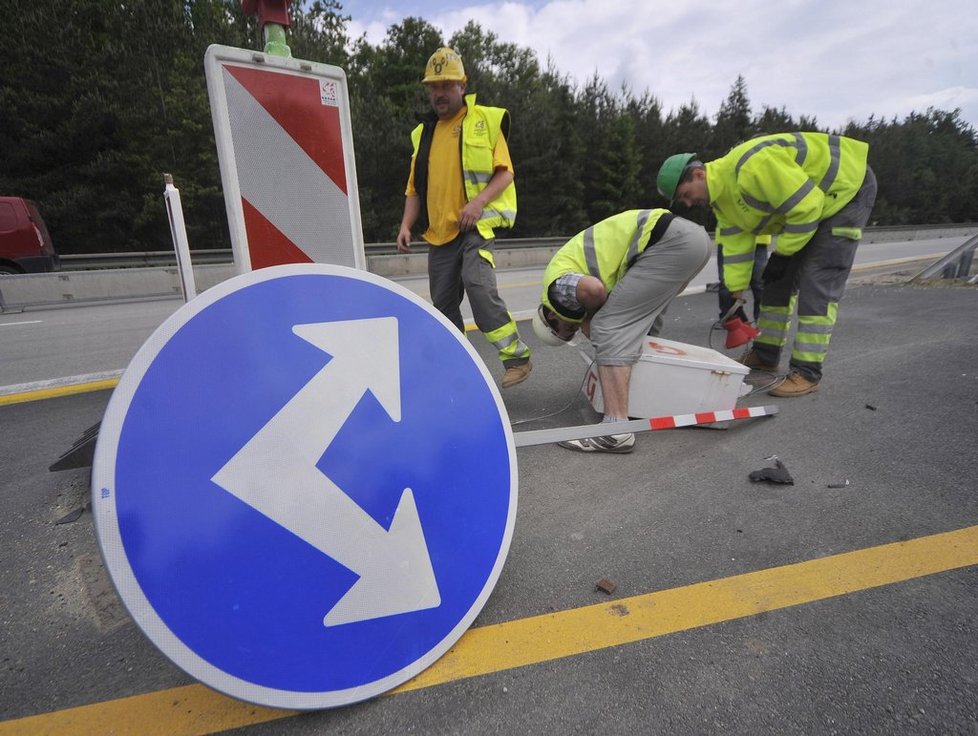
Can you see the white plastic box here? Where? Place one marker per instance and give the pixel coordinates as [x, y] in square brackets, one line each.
[676, 378]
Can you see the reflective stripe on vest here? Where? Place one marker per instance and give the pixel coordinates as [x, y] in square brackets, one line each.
[798, 142]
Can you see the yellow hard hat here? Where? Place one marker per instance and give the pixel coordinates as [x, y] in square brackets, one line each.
[445, 65]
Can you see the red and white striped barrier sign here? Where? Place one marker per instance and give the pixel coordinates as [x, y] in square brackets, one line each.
[285, 145]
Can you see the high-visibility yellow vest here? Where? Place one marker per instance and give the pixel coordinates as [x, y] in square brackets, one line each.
[481, 128]
[605, 250]
[783, 184]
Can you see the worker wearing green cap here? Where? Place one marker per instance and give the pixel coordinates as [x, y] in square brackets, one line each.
[815, 191]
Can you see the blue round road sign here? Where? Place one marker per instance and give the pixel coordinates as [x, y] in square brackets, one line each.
[305, 486]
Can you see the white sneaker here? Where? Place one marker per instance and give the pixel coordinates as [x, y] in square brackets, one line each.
[618, 443]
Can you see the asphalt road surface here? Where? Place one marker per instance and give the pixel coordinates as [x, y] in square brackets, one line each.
[844, 603]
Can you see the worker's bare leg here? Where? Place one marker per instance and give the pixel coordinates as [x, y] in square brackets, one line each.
[614, 389]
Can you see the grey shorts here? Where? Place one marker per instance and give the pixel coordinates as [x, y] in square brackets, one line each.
[658, 275]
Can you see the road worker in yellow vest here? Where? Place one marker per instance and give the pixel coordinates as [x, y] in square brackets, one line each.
[613, 281]
[815, 193]
[461, 187]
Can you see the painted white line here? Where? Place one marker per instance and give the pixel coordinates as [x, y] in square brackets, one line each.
[19, 324]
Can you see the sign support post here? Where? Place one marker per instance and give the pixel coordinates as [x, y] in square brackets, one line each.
[273, 17]
[178, 231]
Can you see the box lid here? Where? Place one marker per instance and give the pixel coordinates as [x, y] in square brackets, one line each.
[669, 352]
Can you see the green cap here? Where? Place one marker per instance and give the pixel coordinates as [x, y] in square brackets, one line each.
[671, 172]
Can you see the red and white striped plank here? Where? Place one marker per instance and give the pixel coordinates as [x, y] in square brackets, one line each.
[562, 434]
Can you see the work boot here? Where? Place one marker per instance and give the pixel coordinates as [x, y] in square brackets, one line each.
[617, 443]
[753, 361]
[516, 374]
[794, 385]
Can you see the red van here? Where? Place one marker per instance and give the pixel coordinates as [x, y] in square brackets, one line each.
[25, 245]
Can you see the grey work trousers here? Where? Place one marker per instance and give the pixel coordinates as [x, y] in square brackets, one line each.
[465, 266]
[636, 303]
[816, 279]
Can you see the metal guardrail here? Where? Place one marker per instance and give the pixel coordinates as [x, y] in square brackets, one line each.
[956, 264]
[142, 259]
[96, 261]
[87, 279]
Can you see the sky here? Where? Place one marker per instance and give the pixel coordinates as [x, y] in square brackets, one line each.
[835, 60]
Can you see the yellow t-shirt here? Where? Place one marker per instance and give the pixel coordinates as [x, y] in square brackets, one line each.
[446, 190]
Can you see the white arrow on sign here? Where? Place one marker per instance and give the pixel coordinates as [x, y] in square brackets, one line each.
[276, 473]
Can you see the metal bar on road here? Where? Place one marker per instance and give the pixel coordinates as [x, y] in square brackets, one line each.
[562, 434]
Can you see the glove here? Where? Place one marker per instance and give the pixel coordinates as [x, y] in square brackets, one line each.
[778, 474]
[777, 266]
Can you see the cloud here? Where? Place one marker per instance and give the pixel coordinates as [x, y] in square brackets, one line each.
[834, 60]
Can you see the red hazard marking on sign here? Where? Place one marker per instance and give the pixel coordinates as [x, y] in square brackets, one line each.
[662, 422]
[296, 104]
[665, 350]
[275, 249]
[742, 413]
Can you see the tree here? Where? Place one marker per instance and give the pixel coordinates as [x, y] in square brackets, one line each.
[733, 121]
[548, 155]
[925, 166]
[615, 185]
[385, 97]
[652, 143]
[774, 120]
[85, 117]
[98, 98]
[319, 33]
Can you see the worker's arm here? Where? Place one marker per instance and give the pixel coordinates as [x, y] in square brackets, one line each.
[591, 295]
[412, 208]
[469, 216]
[738, 258]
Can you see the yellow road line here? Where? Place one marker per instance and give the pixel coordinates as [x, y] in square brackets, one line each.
[50, 393]
[195, 710]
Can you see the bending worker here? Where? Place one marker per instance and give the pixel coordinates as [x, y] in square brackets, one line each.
[461, 186]
[815, 191]
[613, 281]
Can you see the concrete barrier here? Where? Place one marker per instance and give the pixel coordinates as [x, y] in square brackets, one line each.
[19, 292]
[416, 263]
